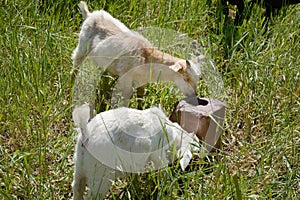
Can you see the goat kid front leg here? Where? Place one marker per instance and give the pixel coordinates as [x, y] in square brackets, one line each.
[101, 182]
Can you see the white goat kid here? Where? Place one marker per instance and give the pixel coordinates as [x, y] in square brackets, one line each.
[107, 43]
[124, 140]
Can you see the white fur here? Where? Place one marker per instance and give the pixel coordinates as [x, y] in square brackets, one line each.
[97, 26]
[107, 43]
[140, 138]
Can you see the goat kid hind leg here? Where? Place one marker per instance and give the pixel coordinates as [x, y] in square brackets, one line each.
[91, 174]
[80, 180]
[100, 178]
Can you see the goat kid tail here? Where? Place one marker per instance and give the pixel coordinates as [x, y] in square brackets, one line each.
[84, 9]
[81, 116]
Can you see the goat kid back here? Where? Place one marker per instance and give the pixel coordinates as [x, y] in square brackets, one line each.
[124, 140]
[106, 42]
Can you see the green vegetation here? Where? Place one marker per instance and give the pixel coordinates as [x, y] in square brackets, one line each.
[261, 71]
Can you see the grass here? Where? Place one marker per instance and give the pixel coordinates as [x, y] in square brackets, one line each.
[260, 68]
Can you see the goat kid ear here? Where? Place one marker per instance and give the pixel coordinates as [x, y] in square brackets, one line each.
[188, 64]
[182, 66]
[84, 9]
[177, 67]
[185, 159]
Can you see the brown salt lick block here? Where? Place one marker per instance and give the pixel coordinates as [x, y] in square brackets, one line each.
[204, 116]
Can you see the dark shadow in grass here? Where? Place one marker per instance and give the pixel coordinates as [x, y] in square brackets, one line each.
[140, 186]
[104, 92]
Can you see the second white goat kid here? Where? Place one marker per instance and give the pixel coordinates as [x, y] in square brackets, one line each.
[124, 140]
[107, 43]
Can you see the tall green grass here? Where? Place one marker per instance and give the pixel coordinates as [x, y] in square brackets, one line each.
[261, 70]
